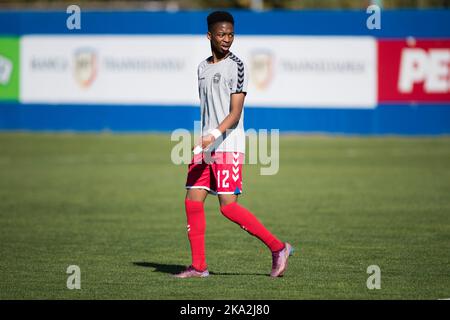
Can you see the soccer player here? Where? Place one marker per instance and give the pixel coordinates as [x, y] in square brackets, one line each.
[216, 167]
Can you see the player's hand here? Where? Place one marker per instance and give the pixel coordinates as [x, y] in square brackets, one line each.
[197, 144]
[207, 141]
[204, 143]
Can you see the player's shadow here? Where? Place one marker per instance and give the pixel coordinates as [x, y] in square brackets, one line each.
[176, 268]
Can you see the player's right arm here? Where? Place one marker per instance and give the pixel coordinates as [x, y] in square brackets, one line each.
[197, 147]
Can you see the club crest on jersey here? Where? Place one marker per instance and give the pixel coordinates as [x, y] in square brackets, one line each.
[85, 66]
[261, 64]
[216, 78]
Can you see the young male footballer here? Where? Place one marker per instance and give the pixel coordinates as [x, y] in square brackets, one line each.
[216, 167]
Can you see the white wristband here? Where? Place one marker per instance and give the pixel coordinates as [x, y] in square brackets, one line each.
[216, 133]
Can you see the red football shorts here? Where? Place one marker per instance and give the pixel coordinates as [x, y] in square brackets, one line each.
[218, 172]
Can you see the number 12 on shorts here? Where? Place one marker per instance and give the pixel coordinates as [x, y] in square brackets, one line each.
[222, 183]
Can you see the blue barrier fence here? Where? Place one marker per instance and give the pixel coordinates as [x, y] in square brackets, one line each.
[405, 119]
[386, 119]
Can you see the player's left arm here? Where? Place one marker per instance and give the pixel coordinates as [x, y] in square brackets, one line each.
[236, 106]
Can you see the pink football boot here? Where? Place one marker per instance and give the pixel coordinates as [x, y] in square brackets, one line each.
[280, 260]
[191, 272]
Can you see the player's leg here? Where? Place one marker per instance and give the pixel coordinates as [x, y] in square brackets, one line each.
[197, 184]
[196, 226]
[227, 172]
[228, 176]
[247, 221]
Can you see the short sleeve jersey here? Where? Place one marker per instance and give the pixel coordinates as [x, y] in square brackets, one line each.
[216, 83]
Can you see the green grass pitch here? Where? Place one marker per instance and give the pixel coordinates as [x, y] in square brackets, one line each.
[113, 205]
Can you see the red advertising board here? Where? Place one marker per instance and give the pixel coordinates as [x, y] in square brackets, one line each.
[414, 70]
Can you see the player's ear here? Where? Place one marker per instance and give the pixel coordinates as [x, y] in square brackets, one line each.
[209, 35]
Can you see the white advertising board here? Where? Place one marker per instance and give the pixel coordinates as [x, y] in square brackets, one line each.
[285, 71]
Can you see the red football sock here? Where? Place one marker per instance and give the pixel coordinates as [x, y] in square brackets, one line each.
[196, 226]
[249, 223]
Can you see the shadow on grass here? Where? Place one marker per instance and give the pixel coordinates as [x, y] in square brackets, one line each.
[176, 268]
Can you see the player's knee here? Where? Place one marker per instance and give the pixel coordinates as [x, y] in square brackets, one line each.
[193, 205]
[228, 210]
[196, 195]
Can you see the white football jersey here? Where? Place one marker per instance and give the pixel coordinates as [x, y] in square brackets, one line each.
[216, 83]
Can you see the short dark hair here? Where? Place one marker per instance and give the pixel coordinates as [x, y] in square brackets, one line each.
[219, 16]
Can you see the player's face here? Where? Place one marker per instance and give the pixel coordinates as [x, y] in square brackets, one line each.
[221, 37]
